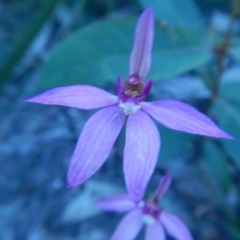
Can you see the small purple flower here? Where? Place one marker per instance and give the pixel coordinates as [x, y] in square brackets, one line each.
[146, 212]
[142, 138]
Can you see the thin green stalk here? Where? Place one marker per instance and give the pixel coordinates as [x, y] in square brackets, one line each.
[222, 49]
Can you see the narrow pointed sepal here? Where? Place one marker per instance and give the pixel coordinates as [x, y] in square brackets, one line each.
[140, 153]
[175, 226]
[140, 60]
[155, 232]
[129, 227]
[78, 96]
[117, 203]
[183, 117]
[163, 186]
[95, 144]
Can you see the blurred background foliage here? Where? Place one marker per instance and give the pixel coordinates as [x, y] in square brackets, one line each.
[49, 43]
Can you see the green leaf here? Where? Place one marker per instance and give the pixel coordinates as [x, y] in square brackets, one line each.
[176, 62]
[174, 143]
[217, 165]
[230, 85]
[178, 51]
[92, 55]
[175, 88]
[182, 13]
[100, 53]
[228, 117]
[178, 38]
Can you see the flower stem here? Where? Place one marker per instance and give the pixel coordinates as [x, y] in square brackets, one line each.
[222, 49]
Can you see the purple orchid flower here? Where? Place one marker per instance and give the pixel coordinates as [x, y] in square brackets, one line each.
[146, 212]
[142, 138]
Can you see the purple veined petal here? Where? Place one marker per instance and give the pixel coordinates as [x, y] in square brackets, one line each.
[78, 96]
[95, 144]
[175, 227]
[140, 60]
[118, 203]
[129, 227]
[140, 153]
[155, 232]
[163, 186]
[183, 117]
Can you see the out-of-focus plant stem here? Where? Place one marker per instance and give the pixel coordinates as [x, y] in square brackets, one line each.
[222, 49]
[231, 217]
[26, 38]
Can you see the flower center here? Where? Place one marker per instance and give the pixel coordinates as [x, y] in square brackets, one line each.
[133, 86]
[150, 212]
[129, 107]
[148, 219]
[132, 92]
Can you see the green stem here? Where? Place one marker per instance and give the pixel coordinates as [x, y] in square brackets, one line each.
[232, 219]
[222, 49]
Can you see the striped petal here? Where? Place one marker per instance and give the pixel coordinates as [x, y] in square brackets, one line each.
[118, 203]
[95, 144]
[129, 227]
[140, 153]
[140, 60]
[175, 227]
[155, 232]
[78, 96]
[183, 117]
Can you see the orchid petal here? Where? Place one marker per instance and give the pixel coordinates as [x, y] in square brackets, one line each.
[140, 60]
[78, 96]
[183, 117]
[140, 153]
[129, 227]
[175, 227]
[155, 232]
[163, 185]
[118, 203]
[95, 144]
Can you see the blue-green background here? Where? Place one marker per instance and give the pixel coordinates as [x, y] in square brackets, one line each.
[50, 43]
